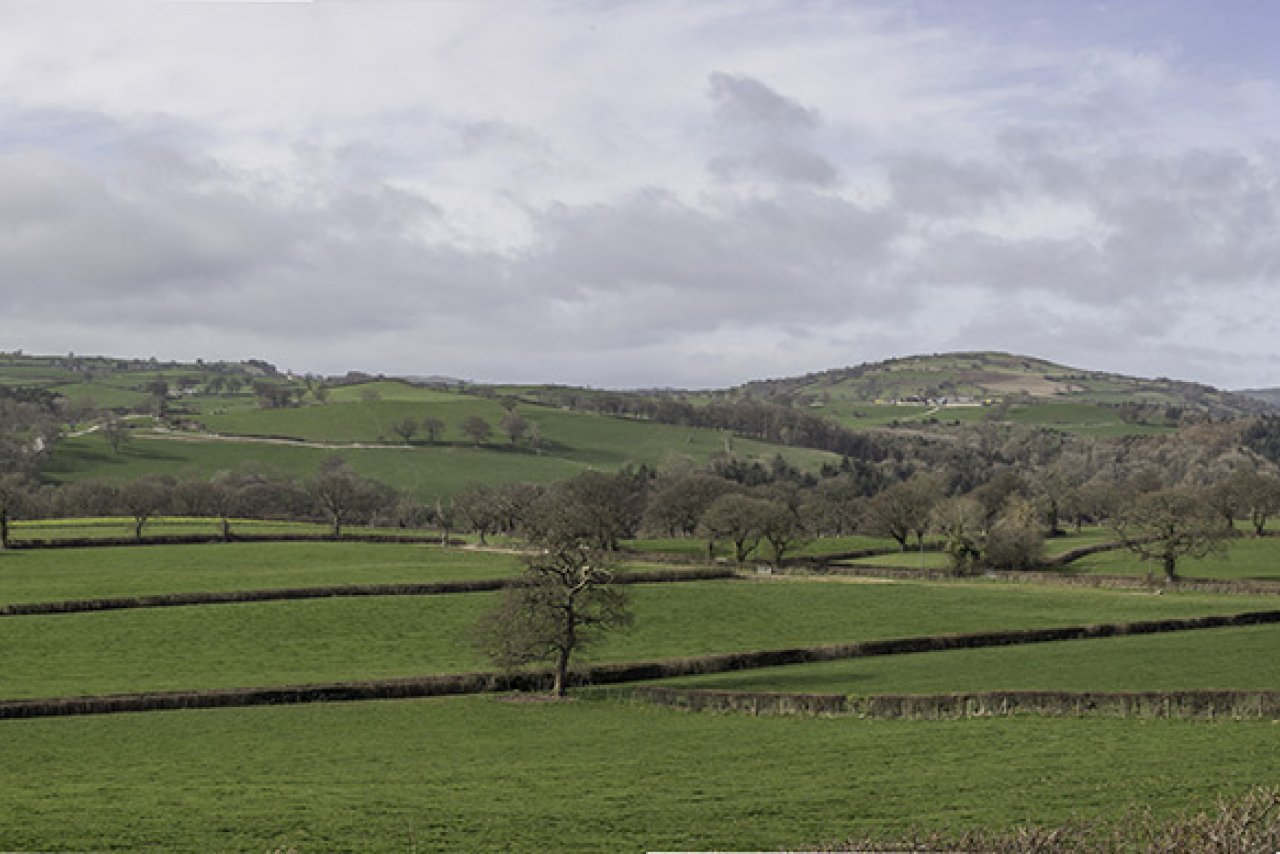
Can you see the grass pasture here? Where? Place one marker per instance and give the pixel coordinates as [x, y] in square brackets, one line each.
[1243, 658]
[573, 443]
[483, 773]
[478, 774]
[270, 643]
[57, 574]
[1246, 559]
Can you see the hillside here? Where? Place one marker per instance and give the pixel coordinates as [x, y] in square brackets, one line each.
[1270, 396]
[203, 417]
[1032, 390]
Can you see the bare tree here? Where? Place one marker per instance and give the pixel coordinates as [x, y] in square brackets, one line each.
[477, 505]
[1261, 498]
[1167, 525]
[962, 522]
[737, 518]
[116, 434]
[14, 493]
[142, 499]
[434, 428]
[783, 529]
[343, 495]
[405, 428]
[477, 429]
[514, 426]
[903, 510]
[562, 603]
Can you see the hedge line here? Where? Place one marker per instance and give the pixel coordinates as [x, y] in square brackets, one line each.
[435, 588]
[1160, 704]
[1122, 582]
[602, 674]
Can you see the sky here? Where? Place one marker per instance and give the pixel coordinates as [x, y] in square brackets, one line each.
[668, 193]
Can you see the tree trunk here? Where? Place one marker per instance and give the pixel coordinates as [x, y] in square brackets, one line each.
[137, 528]
[4, 530]
[562, 673]
[1170, 568]
[226, 529]
[337, 528]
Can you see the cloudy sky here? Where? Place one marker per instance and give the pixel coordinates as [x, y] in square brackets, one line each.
[628, 194]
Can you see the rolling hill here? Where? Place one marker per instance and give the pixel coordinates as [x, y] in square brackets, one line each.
[205, 416]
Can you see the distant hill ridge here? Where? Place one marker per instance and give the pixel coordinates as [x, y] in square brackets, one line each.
[977, 377]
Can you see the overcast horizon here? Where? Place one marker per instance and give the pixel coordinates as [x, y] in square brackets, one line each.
[644, 194]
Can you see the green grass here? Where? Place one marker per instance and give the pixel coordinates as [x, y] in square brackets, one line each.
[1217, 658]
[108, 527]
[575, 442]
[321, 640]
[390, 390]
[1091, 536]
[910, 559]
[425, 472]
[476, 774]
[56, 574]
[1247, 558]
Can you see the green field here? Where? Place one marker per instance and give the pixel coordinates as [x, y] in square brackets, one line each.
[1246, 559]
[476, 774]
[574, 442]
[1214, 658]
[109, 527]
[270, 643]
[57, 574]
[424, 472]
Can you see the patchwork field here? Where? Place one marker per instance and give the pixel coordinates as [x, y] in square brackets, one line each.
[483, 773]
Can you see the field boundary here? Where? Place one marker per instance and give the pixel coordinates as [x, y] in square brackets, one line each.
[1052, 578]
[439, 685]
[1201, 704]
[230, 597]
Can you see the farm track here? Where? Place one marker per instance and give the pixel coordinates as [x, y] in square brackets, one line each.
[171, 436]
[438, 685]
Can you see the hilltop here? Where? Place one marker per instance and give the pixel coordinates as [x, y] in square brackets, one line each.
[978, 377]
[960, 386]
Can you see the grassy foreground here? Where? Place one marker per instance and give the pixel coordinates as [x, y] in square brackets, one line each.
[478, 774]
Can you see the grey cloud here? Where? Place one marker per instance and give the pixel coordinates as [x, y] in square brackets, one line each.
[936, 187]
[653, 266]
[766, 136]
[746, 102]
[782, 163]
